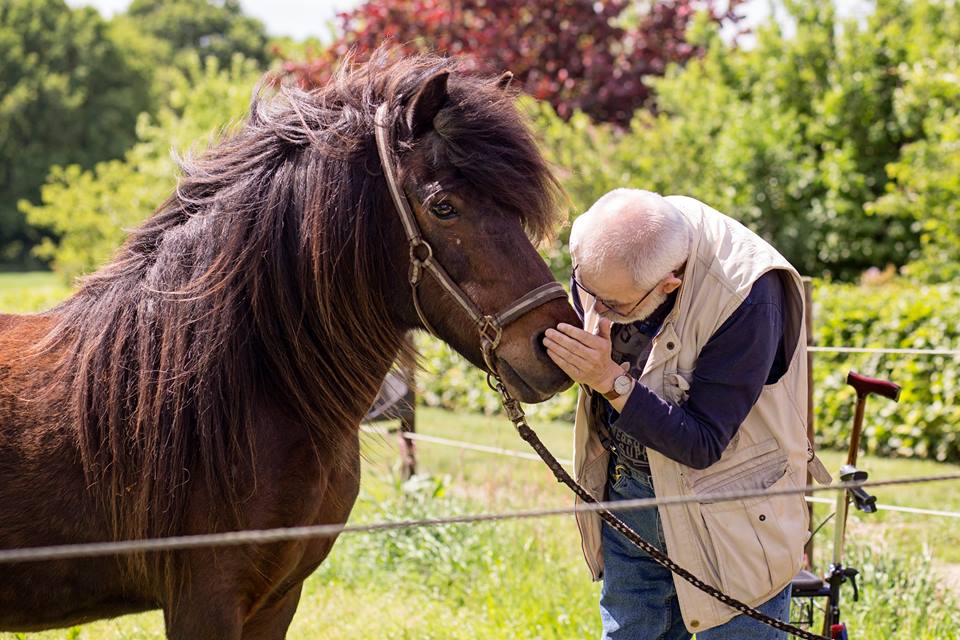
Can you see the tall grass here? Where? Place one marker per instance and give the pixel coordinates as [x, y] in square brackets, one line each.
[510, 579]
[525, 579]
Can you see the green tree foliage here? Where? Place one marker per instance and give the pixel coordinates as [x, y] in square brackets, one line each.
[575, 54]
[90, 211]
[69, 93]
[207, 27]
[926, 177]
[794, 136]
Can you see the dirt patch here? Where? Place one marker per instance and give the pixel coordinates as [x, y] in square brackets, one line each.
[950, 574]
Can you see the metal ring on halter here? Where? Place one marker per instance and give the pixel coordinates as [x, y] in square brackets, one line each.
[486, 350]
[416, 262]
[417, 244]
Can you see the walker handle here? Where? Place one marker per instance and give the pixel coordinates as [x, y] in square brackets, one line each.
[865, 386]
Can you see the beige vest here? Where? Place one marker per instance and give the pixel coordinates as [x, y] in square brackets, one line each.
[749, 549]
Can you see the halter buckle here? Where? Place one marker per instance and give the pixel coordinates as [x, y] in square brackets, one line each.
[491, 331]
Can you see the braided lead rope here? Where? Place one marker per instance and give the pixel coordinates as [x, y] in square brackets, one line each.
[516, 415]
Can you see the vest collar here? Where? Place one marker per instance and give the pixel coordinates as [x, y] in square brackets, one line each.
[691, 270]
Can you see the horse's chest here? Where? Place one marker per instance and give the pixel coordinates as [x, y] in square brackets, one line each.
[301, 483]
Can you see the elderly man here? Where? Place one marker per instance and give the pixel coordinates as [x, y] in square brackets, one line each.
[692, 366]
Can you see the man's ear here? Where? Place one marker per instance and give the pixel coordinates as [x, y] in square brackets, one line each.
[425, 106]
[670, 284]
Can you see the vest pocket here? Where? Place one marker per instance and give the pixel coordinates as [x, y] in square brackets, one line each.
[740, 468]
[757, 542]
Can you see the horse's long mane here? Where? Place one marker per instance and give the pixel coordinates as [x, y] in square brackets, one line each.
[261, 279]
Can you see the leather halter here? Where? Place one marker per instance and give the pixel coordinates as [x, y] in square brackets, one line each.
[489, 326]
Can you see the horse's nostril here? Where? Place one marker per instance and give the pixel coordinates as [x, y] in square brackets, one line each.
[538, 347]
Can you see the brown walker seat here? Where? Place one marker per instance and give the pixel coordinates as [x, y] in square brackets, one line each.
[865, 386]
[807, 585]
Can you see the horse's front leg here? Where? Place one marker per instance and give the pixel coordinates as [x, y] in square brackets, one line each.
[272, 622]
[269, 618]
[209, 605]
[208, 595]
[196, 617]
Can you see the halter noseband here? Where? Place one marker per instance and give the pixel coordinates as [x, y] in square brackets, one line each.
[490, 327]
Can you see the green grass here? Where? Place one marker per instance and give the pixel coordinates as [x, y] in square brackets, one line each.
[526, 579]
[31, 291]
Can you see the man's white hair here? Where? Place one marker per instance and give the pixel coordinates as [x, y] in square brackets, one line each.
[634, 228]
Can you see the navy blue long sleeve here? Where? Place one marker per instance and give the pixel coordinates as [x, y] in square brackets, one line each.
[744, 353]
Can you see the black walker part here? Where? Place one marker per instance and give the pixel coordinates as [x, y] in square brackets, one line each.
[808, 587]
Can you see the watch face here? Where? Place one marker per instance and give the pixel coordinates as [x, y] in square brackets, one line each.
[622, 384]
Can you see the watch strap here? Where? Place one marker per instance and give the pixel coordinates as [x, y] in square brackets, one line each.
[612, 394]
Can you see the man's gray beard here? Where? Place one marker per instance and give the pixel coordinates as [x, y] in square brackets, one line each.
[651, 304]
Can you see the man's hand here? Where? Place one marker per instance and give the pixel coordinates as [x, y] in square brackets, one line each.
[583, 356]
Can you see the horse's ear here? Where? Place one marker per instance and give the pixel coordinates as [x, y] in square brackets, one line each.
[504, 81]
[425, 106]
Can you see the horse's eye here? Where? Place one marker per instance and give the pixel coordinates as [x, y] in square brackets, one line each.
[444, 211]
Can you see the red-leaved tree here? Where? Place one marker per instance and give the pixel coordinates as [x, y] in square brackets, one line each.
[577, 54]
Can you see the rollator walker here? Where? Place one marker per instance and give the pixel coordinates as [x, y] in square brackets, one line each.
[808, 587]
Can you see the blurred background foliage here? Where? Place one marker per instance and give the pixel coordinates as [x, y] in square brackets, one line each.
[87, 212]
[200, 27]
[70, 92]
[595, 57]
[838, 140]
[803, 137]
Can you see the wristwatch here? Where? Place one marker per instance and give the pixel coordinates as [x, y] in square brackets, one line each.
[622, 385]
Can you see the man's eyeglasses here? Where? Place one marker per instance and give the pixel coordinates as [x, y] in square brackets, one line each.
[610, 304]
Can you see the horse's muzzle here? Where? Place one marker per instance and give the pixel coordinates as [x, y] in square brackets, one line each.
[538, 383]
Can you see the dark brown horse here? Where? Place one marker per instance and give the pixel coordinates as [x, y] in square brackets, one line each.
[213, 375]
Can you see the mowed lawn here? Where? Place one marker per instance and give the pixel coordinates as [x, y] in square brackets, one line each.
[526, 579]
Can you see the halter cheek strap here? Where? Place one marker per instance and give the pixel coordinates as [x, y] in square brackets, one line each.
[489, 326]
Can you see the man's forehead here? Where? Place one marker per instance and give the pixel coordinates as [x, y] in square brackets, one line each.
[607, 280]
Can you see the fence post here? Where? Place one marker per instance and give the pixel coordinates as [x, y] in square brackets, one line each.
[808, 317]
[408, 412]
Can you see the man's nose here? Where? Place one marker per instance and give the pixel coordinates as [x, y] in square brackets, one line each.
[599, 307]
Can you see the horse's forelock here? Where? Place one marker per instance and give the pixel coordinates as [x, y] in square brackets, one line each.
[485, 138]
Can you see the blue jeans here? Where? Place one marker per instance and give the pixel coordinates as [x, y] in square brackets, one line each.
[638, 600]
